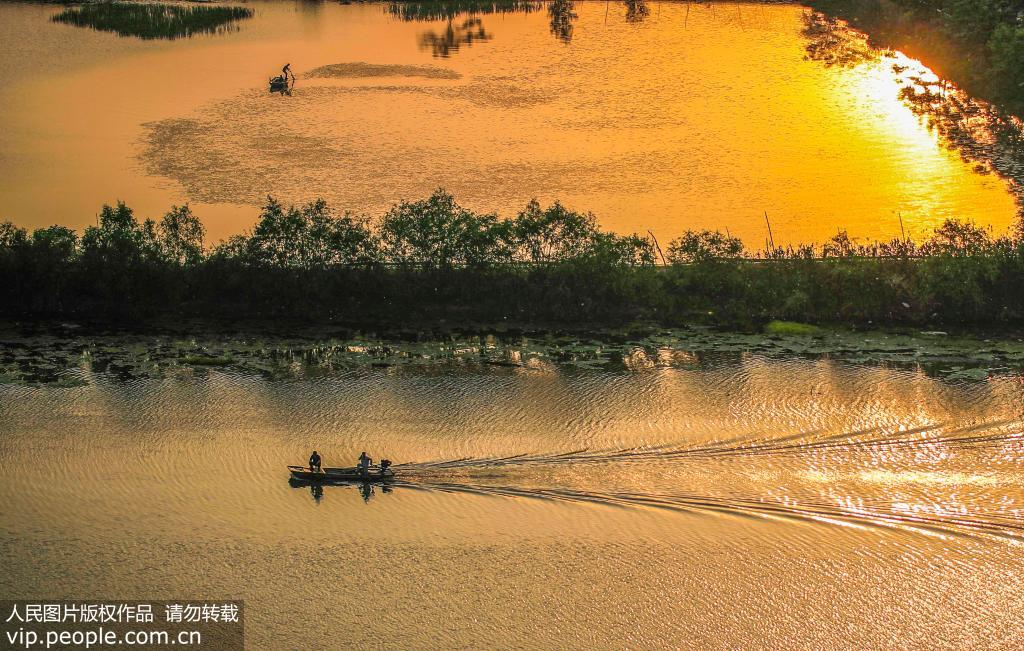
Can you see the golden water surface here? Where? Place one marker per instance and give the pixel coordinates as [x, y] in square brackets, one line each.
[676, 502]
[700, 115]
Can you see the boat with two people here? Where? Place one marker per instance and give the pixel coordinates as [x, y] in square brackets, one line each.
[364, 471]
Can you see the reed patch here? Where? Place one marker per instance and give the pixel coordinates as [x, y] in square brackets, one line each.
[154, 21]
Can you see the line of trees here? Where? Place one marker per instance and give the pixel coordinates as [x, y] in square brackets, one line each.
[433, 260]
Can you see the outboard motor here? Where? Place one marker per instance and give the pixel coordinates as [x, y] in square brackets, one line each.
[384, 463]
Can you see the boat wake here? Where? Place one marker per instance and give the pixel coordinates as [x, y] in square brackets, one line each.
[933, 523]
[907, 500]
[1001, 433]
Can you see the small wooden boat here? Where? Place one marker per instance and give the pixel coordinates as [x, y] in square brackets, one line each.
[281, 84]
[373, 474]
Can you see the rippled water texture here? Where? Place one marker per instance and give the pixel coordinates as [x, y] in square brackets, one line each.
[660, 116]
[741, 503]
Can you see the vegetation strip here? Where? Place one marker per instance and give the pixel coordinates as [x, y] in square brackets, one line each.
[153, 21]
[433, 261]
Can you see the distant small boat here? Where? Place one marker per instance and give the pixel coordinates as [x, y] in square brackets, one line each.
[373, 474]
[280, 84]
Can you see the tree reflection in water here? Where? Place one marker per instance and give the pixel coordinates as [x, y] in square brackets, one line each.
[636, 10]
[562, 13]
[456, 33]
[431, 11]
[562, 18]
[154, 21]
[985, 135]
[453, 37]
[831, 42]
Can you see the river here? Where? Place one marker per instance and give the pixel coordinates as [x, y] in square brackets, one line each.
[547, 496]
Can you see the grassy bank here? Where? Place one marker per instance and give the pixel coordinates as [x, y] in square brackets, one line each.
[433, 261]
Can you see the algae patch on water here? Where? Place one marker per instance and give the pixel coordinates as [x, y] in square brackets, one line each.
[364, 70]
[207, 360]
[791, 328]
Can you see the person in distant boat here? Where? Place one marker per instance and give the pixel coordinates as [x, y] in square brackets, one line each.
[285, 71]
[314, 461]
[364, 463]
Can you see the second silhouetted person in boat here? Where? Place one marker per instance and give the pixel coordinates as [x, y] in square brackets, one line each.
[314, 461]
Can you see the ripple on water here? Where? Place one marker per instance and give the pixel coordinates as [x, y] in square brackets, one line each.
[797, 440]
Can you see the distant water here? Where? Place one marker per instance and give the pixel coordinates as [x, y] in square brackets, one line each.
[746, 503]
[654, 115]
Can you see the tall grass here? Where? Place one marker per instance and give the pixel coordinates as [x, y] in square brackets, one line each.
[153, 21]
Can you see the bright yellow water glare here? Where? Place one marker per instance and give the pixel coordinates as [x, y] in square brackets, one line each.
[882, 84]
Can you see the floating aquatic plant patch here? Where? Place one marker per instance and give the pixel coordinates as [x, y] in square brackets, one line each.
[71, 359]
[790, 328]
[154, 21]
[207, 360]
[359, 69]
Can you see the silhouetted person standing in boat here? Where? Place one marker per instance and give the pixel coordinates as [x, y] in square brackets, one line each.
[285, 71]
[314, 461]
[364, 463]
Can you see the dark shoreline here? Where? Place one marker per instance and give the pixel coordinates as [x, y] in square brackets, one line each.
[443, 330]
